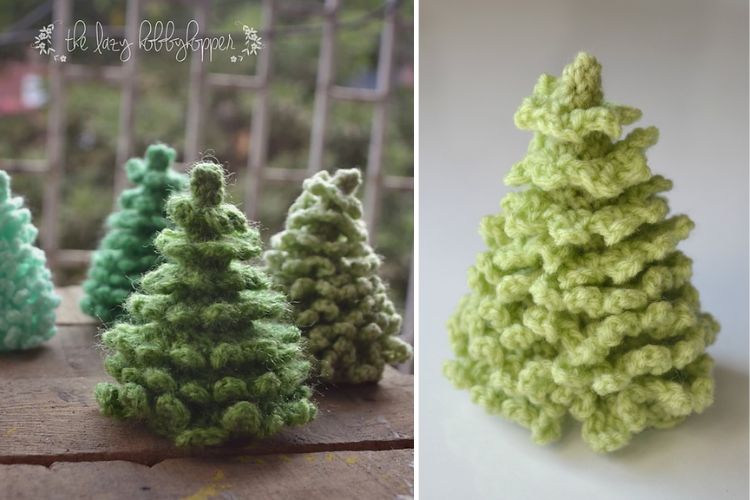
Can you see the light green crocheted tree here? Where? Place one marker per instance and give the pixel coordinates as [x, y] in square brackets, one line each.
[127, 251]
[27, 297]
[581, 304]
[206, 351]
[323, 261]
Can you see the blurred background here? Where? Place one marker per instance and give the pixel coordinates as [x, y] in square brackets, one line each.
[684, 63]
[78, 110]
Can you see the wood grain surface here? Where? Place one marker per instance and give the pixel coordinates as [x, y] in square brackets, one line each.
[329, 475]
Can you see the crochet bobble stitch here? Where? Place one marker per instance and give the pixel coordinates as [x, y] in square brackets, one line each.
[127, 251]
[27, 298]
[205, 353]
[324, 263]
[582, 304]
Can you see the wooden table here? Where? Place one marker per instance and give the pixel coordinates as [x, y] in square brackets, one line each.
[55, 444]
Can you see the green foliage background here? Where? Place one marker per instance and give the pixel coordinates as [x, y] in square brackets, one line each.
[93, 109]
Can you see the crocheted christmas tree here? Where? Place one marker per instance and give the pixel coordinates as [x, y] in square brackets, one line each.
[27, 298]
[323, 261]
[581, 304]
[205, 352]
[127, 251]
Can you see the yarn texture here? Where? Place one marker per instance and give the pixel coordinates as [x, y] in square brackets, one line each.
[324, 263]
[27, 295]
[581, 305]
[127, 251]
[206, 352]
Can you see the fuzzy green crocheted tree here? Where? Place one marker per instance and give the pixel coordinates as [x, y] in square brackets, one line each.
[206, 352]
[127, 251]
[581, 304]
[27, 298]
[323, 261]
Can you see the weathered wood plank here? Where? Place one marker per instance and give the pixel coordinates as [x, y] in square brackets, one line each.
[362, 475]
[73, 352]
[48, 414]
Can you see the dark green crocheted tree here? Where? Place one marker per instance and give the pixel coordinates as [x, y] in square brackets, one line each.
[323, 261]
[206, 352]
[127, 251]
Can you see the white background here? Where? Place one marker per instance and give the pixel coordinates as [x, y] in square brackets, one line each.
[685, 64]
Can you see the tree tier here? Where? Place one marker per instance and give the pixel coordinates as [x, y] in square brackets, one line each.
[609, 421]
[209, 313]
[258, 345]
[123, 262]
[493, 331]
[568, 220]
[341, 288]
[175, 244]
[168, 415]
[332, 245]
[327, 224]
[573, 266]
[657, 281]
[172, 278]
[559, 166]
[290, 265]
[276, 368]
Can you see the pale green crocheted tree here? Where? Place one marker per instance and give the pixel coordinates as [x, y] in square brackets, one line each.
[27, 295]
[581, 305]
[127, 251]
[323, 261]
[207, 351]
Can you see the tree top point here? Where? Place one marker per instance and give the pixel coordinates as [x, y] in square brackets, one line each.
[207, 184]
[580, 85]
[348, 180]
[159, 157]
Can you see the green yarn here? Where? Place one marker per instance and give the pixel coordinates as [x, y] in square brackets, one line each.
[27, 298]
[205, 353]
[323, 261]
[582, 305]
[127, 251]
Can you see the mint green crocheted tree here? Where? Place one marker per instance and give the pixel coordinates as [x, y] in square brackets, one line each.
[581, 305]
[27, 298]
[205, 352]
[127, 251]
[330, 272]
